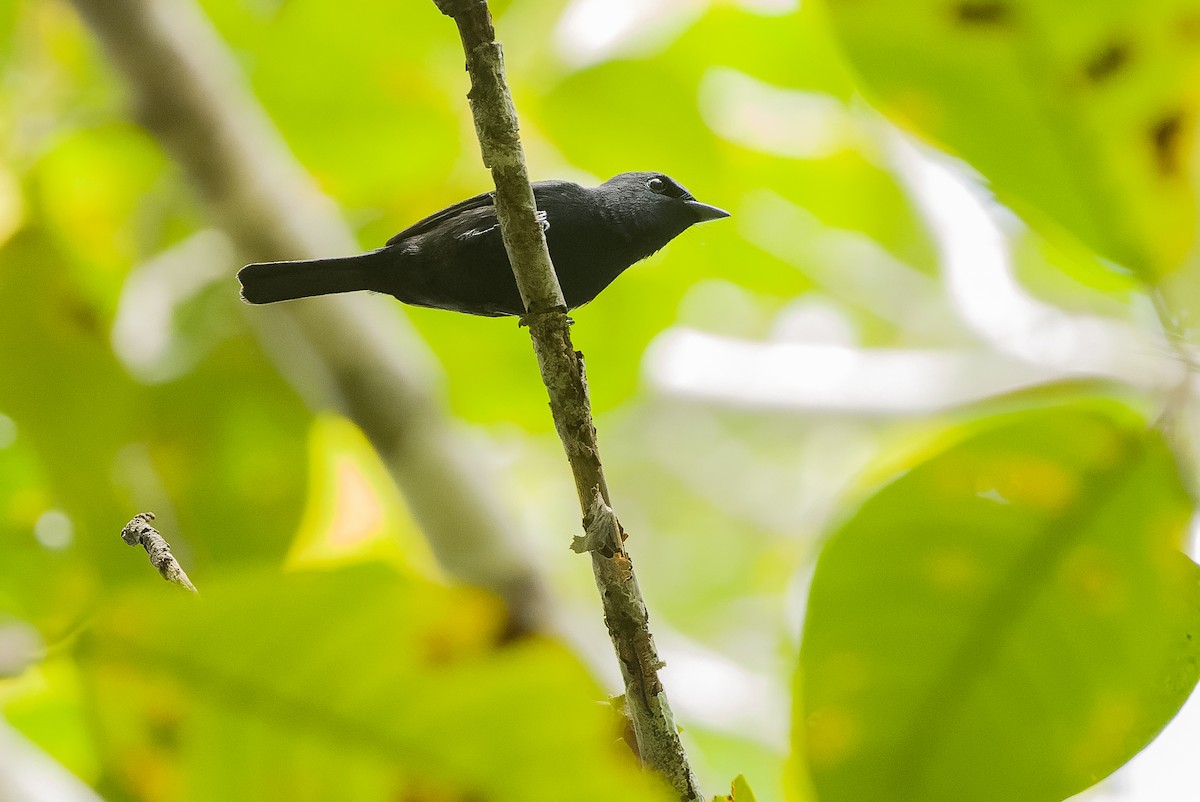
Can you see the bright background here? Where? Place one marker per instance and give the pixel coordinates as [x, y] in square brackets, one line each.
[752, 383]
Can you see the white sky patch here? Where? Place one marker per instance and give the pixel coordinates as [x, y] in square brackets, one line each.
[709, 688]
[20, 647]
[811, 360]
[1165, 771]
[8, 431]
[54, 530]
[144, 329]
[792, 375]
[849, 266]
[977, 264]
[592, 31]
[770, 119]
[30, 775]
[815, 320]
[769, 8]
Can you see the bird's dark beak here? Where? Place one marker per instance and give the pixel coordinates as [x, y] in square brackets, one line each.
[705, 212]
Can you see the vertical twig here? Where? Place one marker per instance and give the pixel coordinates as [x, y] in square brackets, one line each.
[563, 373]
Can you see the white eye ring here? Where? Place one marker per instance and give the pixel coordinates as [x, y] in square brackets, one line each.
[656, 185]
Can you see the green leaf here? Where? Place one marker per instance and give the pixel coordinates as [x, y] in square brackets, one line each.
[738, 792]
[351, 684]
[1011, 619]
[741, 790]
[1079, 113]
[354, 512]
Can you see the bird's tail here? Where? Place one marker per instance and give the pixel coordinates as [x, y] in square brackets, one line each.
[267, 282]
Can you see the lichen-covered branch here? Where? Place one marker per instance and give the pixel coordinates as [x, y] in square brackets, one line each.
[347, 351]
[139, 532]
[562, 370]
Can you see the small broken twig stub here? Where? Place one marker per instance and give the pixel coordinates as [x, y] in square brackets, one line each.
[603, 533]
[139, 532]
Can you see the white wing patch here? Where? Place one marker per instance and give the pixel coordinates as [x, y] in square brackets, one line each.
[541, 217]
[478, 232]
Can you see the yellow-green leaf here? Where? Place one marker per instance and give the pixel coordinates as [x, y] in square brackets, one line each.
[1011, 619]
[354, 684]
[1079, 113]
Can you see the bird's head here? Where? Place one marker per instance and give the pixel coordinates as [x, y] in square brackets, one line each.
[658, 199]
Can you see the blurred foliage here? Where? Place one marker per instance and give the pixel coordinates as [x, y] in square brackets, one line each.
[1004, 617]
[1081, 113]
[234, 698]
[1042, 626]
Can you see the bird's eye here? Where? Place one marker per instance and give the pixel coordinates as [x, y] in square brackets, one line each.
[656, 185]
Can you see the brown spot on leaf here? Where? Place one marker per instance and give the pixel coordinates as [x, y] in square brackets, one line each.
[426, 790]
[1188, 27]
[1166, 136]
[83, 317]
[983, 12]
[1107, 62]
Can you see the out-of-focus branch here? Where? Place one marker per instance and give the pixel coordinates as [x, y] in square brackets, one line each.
[139, 532]
[190, 94]
[562, 368]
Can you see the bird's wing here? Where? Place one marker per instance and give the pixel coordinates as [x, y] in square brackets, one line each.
[478, 214]
[470, 223]
[479, 202]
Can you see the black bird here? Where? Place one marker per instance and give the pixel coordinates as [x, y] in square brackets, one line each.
[455, 259]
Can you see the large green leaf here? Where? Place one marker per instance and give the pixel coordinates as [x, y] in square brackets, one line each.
[346, 685]
[1011, 619]
[1079, 112]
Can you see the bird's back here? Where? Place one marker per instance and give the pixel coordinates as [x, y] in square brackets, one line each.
[456, 258]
